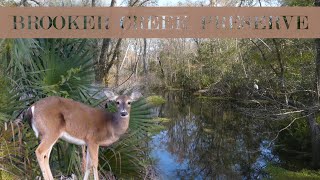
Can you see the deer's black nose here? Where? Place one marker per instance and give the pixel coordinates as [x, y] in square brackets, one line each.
[124, 113]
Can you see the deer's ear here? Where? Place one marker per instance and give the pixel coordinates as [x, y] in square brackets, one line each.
[135, 95]
[110, 95]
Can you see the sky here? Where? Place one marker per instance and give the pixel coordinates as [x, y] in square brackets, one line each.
[175, 2]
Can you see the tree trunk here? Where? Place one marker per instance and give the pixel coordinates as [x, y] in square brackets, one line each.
[145, 71]
[282, 71]
[317, 42]
[110, 63]
[102, 59]
[162, 71]
[314, 126]
[118, 69]
[101, 65]
[315, 140]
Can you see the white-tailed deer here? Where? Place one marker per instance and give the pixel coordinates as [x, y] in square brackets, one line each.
[52, 118]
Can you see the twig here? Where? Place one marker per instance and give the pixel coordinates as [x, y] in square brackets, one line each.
[129, 75]
[286, 128]
[290, 112]
[36, 2]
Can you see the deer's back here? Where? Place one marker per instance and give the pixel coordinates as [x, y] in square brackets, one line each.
[63, 115]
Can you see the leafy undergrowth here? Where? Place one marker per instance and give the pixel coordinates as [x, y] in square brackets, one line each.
[280, 173]
[5, 175]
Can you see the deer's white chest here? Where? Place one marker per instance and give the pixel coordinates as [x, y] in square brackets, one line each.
[36, 132]
[109, 141]
[67, 137]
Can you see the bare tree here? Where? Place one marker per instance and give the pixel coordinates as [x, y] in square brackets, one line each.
[108, 54]
[103, 60]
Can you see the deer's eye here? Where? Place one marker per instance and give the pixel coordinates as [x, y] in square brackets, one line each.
[118, 102]
[129, 102]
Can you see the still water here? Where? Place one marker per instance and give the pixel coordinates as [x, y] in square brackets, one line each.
[208, 139]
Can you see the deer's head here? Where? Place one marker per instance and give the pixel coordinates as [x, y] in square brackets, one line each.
[123, 102]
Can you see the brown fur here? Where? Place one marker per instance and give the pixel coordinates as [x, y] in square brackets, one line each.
[81, 121]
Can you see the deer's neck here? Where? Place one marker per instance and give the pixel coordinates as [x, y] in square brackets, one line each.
[120, 124]
[114, 129]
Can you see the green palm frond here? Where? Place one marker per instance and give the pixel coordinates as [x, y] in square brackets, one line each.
[10, 105]
[64, 68]
[57, 67]
[16, 56]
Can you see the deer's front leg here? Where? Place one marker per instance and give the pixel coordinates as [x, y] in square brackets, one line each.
[92, 161]
[84, 159]
[43, 154]
[93, 150]
[88, 166]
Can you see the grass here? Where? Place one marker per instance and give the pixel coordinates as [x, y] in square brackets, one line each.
[5, 175]
[280, 173]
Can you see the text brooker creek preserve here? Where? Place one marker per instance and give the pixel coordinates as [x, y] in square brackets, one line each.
[98, 22]
[207, 23]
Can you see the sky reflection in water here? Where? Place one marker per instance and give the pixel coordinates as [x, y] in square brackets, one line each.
[206, 139]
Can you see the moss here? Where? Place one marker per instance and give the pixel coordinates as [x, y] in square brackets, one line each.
[318, 119]
[280, 173]
[156, 100]
[162, 120]
[208, 130]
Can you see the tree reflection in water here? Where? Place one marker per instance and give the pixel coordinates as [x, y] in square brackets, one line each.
[207, 139]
